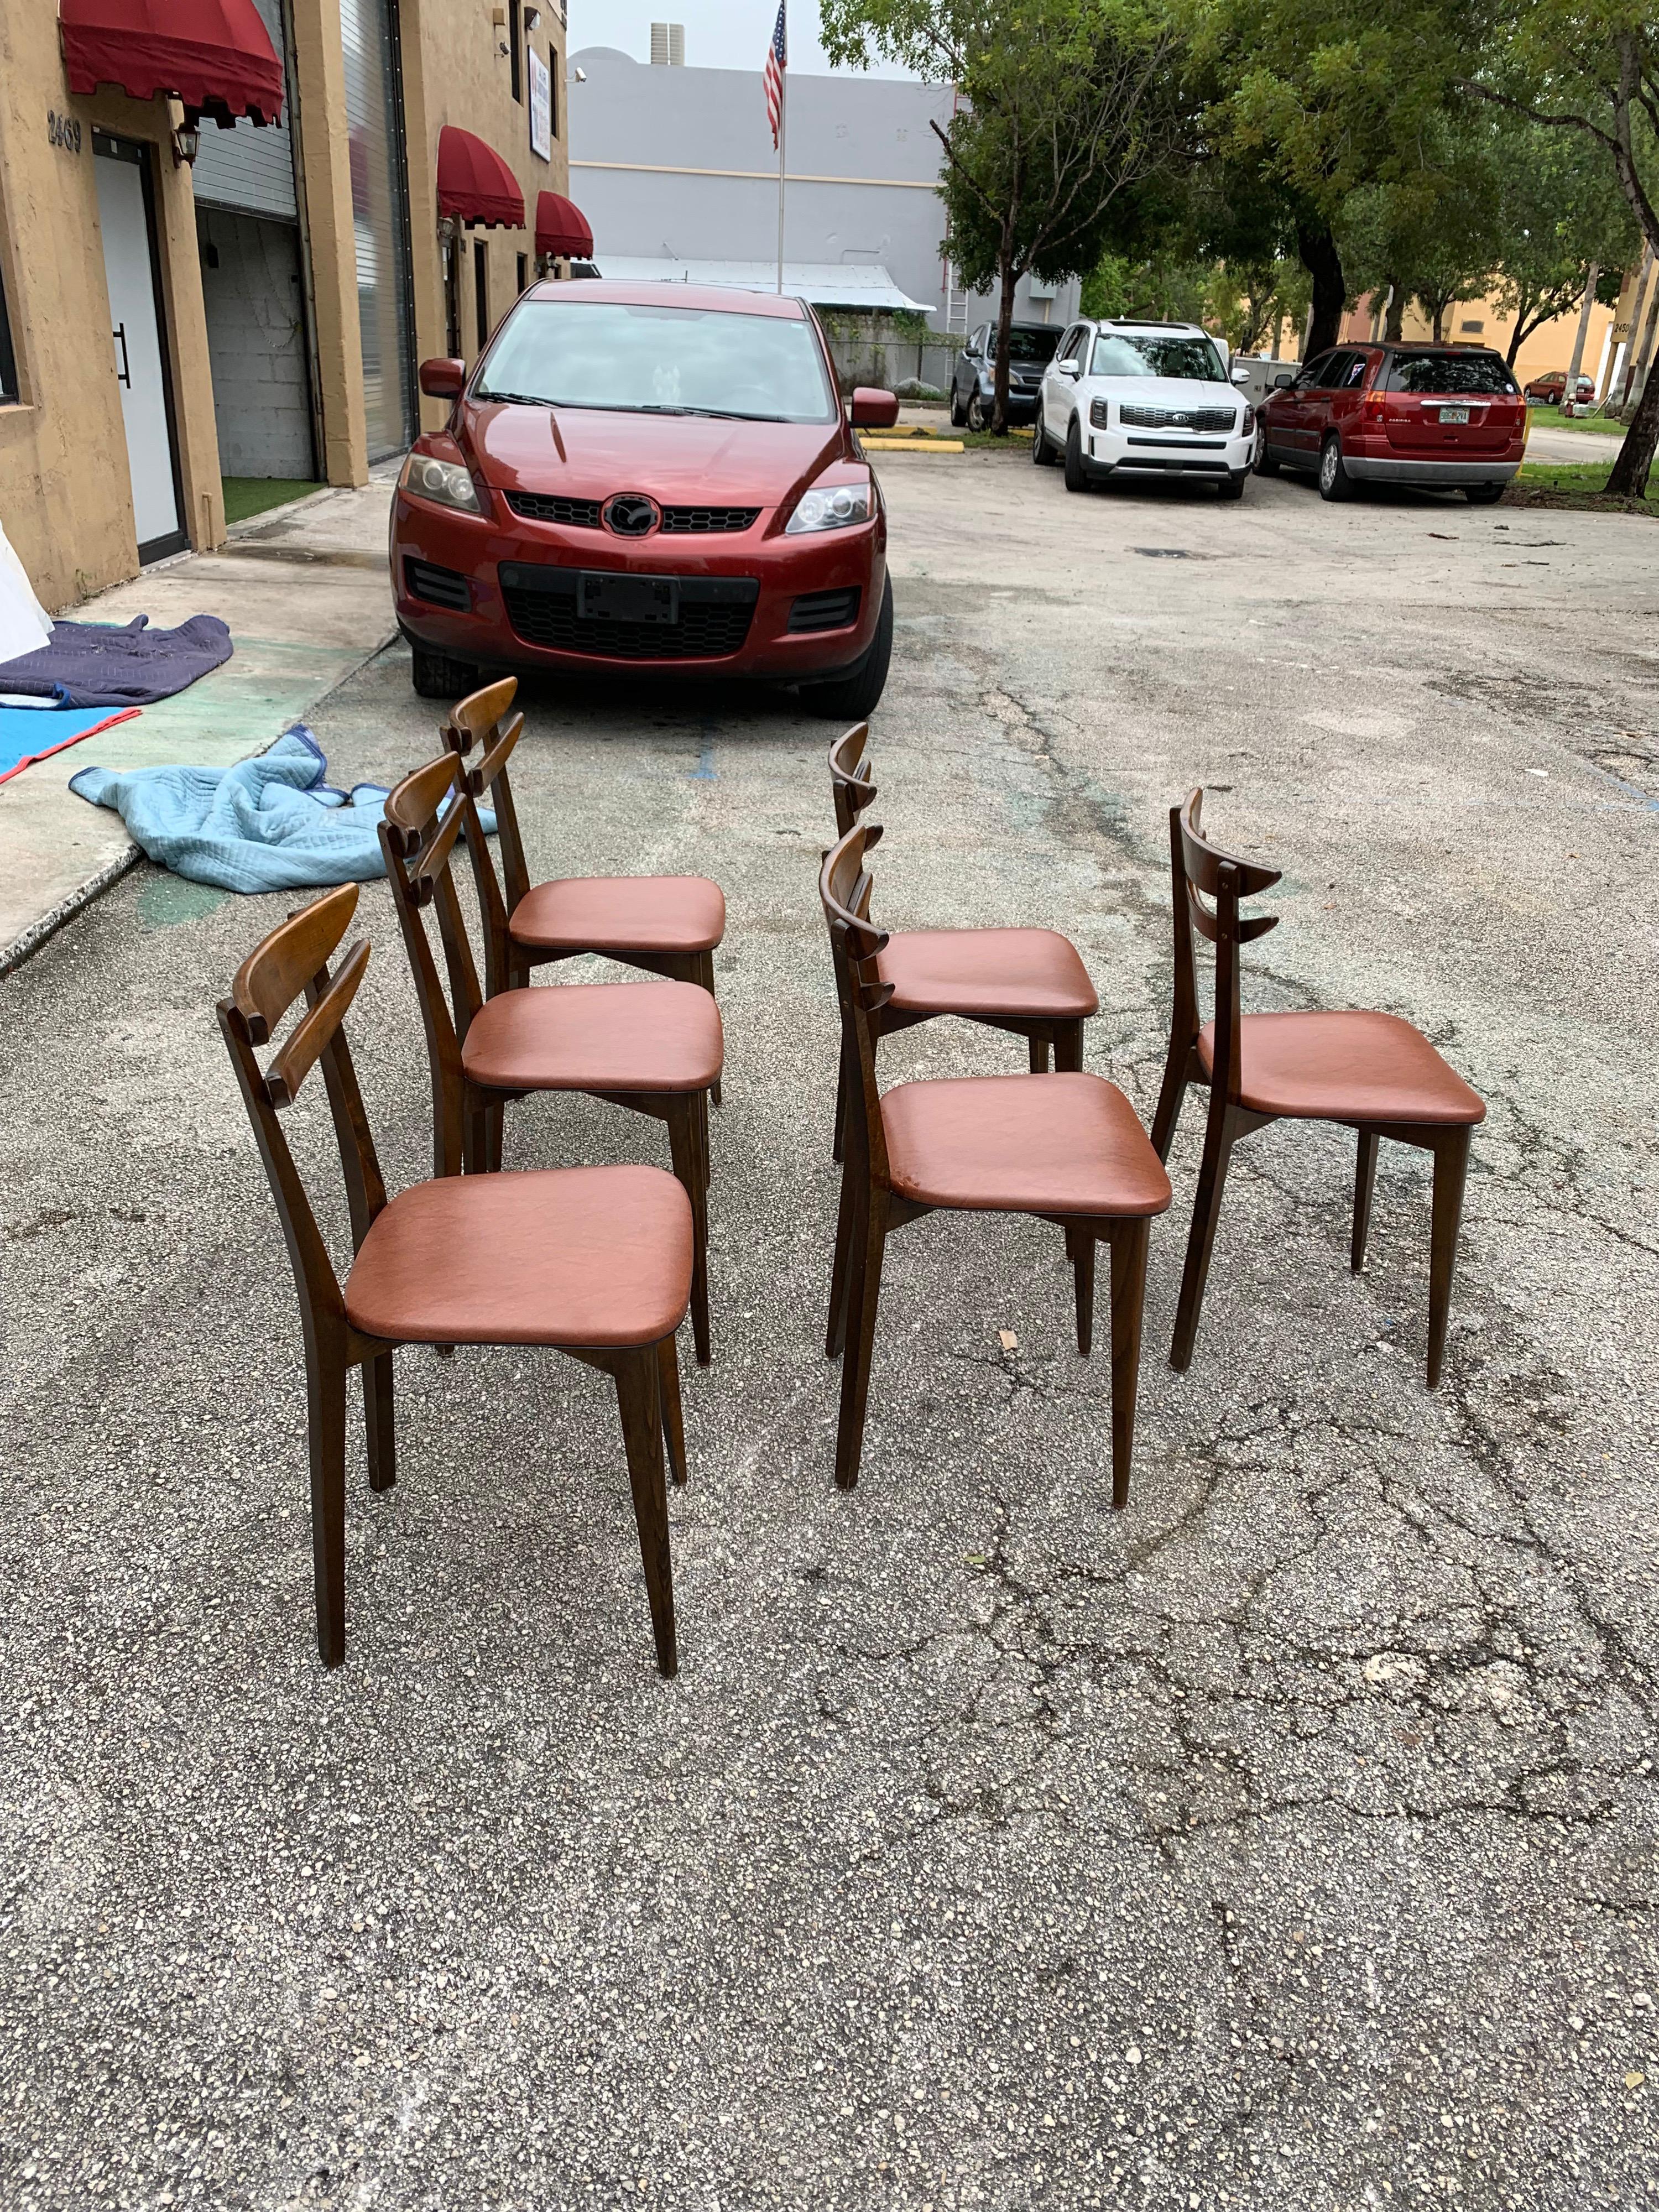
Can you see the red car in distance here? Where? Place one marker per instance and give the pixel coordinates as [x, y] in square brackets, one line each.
[1437, 416]
[650, 476]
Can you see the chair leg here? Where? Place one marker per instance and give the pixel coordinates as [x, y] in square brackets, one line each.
[673, 1418]
[1365, 1178]
[380, 1423]
[1218, 1137]
[1129, 1242]
[706, 977]
[689, 1167]
[864, 1292]
[846, 1228]
[642, 1422]
[1451, 1161]
[475, 1141]
[1039, 1054]
[1170, 1099]
[1082, 1244]
[325, 1392]
[495, 1131]
[1068, 1048]
[838, 1150]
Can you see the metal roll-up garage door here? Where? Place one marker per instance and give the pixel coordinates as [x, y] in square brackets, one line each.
[380, 206]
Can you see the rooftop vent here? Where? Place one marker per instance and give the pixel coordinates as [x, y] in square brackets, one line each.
[668, 45]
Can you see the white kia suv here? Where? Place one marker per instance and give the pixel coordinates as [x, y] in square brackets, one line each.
[1154, 398]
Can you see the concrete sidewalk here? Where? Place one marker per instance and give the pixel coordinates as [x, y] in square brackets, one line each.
[305, 592]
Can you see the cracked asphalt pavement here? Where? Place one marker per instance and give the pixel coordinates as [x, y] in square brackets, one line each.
[1288, 1841]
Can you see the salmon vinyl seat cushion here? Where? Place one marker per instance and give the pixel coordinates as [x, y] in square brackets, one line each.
[594, 1256]
[597, 1037]
[1022, 1143]
[623, 914]
[1345, 1067]
[1035, 972]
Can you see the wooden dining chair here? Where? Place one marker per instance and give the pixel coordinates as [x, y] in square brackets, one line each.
[1373, 1074]
[665, 925]
[1067, 1148]
[653, 1048]
[1029, 982]
[592, 1262]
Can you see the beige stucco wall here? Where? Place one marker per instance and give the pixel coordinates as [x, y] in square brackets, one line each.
[65, 488]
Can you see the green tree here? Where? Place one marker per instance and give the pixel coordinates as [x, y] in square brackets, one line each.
[1065, 105]
[1560, 216]
[1589, 69]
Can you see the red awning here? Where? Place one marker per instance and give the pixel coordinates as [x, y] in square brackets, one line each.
[561, 229]
[216, 56]
[474, 182]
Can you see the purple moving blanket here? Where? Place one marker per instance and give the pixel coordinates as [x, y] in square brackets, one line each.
[104, 664]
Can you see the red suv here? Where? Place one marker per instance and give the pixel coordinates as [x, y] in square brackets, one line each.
[1434, 416]
[648, 476]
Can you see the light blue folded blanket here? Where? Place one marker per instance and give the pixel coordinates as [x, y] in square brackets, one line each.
[269, 824]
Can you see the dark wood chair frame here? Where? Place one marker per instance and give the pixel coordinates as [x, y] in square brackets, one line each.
[417, 834]
[1201, 871]
[291, 962]
[480, 719]
[871, 1209]
[854, 790]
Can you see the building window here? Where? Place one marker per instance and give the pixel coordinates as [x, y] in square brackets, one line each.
[554, 65]
[515, 43]
[481, 289]
[524, 273]
[8, 356]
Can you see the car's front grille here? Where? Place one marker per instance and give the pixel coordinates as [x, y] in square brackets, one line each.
[543, 605]
[549, 506]
[441, 587]
[824, 610]
[683, 519]
[1177, 418]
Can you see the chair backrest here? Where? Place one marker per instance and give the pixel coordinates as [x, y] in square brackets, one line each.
[849, 776]
[844, 887]
[485, 719]
[292, 963]
[423, 817]
[1201, 871]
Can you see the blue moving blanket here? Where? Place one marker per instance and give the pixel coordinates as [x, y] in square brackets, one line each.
[269, 824]
[118, 664]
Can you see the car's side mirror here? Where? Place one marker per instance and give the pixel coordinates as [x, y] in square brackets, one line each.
[1069, 367]
[872, 409]
[443, 379]
[1284, 380]
[1241, 374]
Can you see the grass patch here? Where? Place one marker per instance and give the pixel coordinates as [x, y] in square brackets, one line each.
[1552, 419]
[1547, 483]
[246, 495]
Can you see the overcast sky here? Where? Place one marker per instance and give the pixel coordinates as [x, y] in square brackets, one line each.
[719, 33]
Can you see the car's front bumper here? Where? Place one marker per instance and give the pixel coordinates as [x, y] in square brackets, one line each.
[1022, 405]
[1369, 469]
[1146, 450]
[504, 595]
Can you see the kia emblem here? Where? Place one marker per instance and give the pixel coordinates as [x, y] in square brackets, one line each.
[631, 514]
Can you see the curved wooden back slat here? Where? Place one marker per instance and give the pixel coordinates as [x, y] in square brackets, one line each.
[280, 966]
[476, 716]
[849, 776]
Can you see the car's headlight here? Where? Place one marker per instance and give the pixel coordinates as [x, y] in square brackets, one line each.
[1249, 423]
[1099, 410]
[446, 483]
[831, 506]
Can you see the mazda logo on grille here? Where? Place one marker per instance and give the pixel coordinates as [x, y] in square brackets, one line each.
[631, 514]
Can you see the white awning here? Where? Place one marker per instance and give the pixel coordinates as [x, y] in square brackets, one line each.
[857, 284]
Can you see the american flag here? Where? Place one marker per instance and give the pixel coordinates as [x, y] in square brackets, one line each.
[777, 60]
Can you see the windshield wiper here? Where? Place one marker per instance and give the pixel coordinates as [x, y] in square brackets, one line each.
[516, 398]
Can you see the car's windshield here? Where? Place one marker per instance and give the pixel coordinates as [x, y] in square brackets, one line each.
[1481, 372]
[1194, 359]
[1026, 345]
[666, 360]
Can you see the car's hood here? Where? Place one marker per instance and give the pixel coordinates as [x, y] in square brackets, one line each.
[586, 453]
[1167, 390]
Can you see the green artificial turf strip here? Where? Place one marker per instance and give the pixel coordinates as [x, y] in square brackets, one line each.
[246, 495]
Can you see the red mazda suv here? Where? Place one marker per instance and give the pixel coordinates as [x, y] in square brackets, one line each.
[1436, 416]
[649, 477]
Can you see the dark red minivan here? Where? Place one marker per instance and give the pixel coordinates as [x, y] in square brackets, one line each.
[1441, 417]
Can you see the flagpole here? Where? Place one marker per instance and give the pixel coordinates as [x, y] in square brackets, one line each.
[783, 133]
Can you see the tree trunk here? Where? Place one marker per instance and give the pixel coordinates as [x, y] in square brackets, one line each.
[1518, 336]
[1316, 249]
[1395, 323]
[1005, 325]
[1630, 471]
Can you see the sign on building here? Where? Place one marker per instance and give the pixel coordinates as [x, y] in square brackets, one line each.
[541, 107]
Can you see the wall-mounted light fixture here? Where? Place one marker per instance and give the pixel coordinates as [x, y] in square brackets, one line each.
[187, 145]
[532, 17]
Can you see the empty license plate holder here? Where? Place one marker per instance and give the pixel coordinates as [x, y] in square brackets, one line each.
[602, 596]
